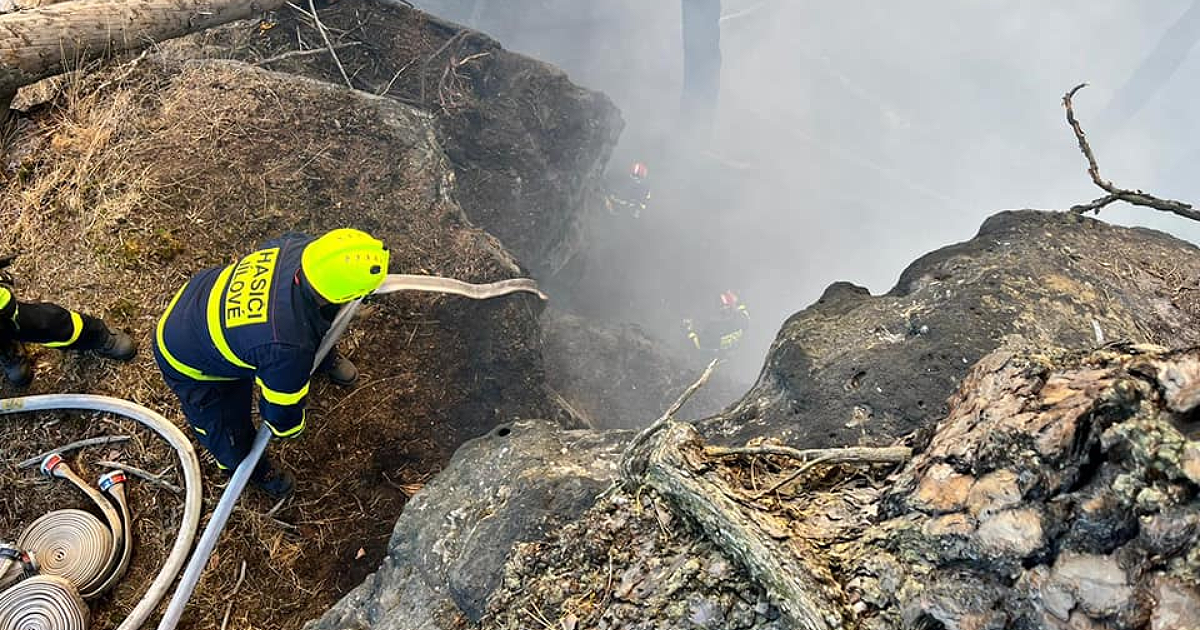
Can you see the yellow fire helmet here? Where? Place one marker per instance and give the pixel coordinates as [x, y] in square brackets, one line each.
[345, 264]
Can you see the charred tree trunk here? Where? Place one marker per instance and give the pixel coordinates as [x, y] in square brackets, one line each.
[42, 42]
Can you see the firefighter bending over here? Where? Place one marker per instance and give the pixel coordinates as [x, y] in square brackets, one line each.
[259, 322]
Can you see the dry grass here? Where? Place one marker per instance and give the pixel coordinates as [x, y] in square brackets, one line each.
[128, 182]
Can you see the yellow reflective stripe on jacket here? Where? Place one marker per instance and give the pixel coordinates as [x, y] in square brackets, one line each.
[281, 398]
[214, 320]
[290, 432]
[5, 296]
[179, 366]
[76, 330]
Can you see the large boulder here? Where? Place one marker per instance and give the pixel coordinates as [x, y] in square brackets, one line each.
[860, 368]
[527, 146]
[1059, 492]
[449, 548]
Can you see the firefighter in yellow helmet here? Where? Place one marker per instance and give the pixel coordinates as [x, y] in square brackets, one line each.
[258, 322]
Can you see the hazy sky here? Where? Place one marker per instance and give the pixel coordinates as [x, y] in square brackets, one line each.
[854, 136]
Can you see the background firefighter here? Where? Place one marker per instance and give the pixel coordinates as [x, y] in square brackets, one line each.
[631, 193]
[723, 333]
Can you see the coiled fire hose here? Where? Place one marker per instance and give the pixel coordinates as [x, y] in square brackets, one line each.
[241, 476]
[73, 544]
[51, 603]
[43, 602]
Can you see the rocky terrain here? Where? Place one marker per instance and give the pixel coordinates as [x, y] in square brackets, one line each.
[1040, 379]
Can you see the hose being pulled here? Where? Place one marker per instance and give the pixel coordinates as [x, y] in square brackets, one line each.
[433, 284]
[43, 602]
[192, 497]
[241, 476]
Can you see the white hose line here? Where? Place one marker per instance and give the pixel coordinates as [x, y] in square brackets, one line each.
[43, 602]
[191, 478]
[117, 492]
[404, 282]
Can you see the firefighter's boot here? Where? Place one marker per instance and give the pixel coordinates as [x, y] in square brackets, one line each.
[18, 368]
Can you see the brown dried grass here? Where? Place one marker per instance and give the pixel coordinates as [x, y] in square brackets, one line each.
[125, 184]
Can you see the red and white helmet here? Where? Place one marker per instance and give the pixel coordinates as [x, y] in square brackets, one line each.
[638, 171]
[729, 299]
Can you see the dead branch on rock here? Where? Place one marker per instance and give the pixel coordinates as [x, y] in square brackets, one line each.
[295, 54]
[847, 455]
[813, 457]
[675, 470]
[631, 461]
[1135, 197]
[792, 477]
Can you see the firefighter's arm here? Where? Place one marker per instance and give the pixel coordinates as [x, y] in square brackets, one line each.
[282, 379]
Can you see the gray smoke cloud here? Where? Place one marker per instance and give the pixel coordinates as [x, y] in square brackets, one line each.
[852, 137]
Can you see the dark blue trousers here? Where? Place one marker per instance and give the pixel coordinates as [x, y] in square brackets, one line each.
[219, 413]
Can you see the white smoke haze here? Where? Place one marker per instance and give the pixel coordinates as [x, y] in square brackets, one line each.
[854, 136]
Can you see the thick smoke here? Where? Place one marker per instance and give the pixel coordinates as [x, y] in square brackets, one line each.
[852, 137]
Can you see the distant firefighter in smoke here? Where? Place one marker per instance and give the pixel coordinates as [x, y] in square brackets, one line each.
[724, 332]
[630, 194]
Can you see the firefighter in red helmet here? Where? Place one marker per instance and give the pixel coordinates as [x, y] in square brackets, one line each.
[630, 193]
[725, 331]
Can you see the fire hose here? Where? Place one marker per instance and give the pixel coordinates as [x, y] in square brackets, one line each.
[241, 476]
[80, 555]
[43, 602]
[50, 602]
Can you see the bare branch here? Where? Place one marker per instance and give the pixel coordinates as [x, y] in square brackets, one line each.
[1135, 197]
[325, 36]
[847, 455]
[792, 477]
[304, 53]
[74, 446]
[629, 458]
[144, 475]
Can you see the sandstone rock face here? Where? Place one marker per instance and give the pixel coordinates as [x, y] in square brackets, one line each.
[448, 550]
[859, 368]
